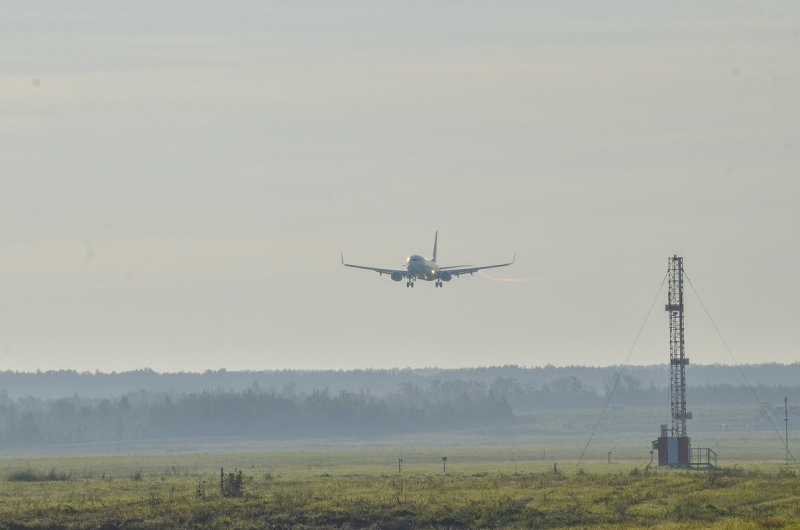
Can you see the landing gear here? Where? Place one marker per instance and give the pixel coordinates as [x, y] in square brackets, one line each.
[410, 283]
[438, 283]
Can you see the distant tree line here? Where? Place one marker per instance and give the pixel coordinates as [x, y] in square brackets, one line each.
[570, 393]
[627, 390]
[437, 405]
[248, 413]
[55, 384]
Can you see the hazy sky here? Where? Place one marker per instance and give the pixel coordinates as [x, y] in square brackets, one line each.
[179, 178]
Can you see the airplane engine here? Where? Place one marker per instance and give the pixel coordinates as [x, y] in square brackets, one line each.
[445, 276]
[397, 276]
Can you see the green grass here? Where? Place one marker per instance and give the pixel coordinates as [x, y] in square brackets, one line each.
[495, 479]
[734, 498]
[487, 486]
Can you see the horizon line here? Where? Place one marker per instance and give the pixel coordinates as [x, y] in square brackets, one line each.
[393, 369]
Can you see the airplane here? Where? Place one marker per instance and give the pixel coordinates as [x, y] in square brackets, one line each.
[419, 268]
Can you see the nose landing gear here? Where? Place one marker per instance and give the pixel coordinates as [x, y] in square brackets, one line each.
[410, 283]
[438, 283]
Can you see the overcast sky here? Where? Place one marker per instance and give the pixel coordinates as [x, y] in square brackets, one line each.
[178, 180]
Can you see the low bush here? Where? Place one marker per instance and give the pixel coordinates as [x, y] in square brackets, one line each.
[29, 475]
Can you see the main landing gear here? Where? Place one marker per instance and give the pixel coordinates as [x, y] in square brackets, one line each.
[410, 283]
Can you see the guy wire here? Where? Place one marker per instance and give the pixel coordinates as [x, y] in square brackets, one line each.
[624, 366]
[755, 395]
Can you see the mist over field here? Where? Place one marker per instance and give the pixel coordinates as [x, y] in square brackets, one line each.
[67, 407]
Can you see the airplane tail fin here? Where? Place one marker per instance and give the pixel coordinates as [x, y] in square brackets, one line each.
[435, 242]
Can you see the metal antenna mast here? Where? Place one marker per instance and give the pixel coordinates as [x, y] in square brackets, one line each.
[677, 354]
[674, 447]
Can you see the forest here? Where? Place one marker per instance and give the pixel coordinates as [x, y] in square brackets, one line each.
[62, 383]
[238, 414]
[437, 405]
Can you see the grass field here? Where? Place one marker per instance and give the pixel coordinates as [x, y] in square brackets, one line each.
[510, 479]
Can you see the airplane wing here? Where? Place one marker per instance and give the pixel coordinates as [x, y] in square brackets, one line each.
[472, 270]
[376, 269]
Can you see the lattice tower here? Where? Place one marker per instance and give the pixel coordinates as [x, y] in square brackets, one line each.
[677, 354]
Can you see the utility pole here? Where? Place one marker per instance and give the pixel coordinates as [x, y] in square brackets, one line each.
[786, 420]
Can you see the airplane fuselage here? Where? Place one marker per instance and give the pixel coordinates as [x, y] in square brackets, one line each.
[423, 269]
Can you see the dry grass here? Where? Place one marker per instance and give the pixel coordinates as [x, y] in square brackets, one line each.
[485, 488]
